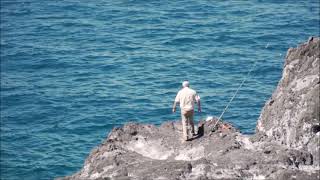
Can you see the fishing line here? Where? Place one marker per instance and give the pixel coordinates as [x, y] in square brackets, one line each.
[234, 95]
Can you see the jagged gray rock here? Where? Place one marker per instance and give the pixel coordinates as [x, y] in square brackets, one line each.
[284, 147]
[291, 115]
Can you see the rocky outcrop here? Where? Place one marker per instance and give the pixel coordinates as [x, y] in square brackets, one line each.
[284, 147]
[291, 115]
[138, 151]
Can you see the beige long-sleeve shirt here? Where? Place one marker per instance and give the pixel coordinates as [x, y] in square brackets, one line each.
[187, 97]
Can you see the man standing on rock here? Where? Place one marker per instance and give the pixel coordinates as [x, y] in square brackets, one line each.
[187, 97]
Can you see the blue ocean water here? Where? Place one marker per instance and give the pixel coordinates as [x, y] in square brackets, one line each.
[72, 70]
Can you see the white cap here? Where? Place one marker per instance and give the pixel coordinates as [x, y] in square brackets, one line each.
[185, 84]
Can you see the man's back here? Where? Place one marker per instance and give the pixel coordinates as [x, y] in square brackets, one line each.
[187, 98]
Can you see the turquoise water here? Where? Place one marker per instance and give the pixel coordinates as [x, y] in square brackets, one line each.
[73, 70]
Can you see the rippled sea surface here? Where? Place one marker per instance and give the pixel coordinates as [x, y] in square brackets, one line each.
[72, 70]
